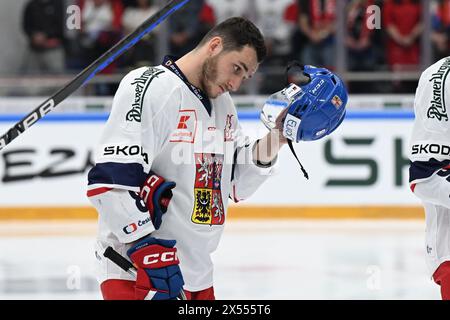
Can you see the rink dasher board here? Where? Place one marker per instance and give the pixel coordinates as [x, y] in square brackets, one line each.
[363, 163]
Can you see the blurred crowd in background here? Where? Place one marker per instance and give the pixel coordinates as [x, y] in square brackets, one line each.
[304, 30]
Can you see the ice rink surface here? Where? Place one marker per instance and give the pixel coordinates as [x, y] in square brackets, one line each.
[256, 259]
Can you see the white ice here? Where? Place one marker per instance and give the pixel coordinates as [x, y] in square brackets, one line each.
[256, 259]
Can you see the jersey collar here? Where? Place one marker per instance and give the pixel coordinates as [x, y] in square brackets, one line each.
[169, 63]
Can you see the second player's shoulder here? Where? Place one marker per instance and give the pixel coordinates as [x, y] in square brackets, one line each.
[435, 77]
[441, 66]
[431, 102]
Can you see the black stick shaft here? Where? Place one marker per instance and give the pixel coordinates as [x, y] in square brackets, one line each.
[87, 74]
[118, 259]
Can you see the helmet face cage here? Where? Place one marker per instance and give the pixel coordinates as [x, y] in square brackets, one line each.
[272, 108]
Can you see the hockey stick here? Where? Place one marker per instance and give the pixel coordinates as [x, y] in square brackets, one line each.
[87, 74]
[127, 266]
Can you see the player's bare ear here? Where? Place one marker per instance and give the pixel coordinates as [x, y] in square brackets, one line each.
[215, 45]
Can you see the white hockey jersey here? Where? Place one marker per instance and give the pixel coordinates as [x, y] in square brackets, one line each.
[430, 158]
[160, 122]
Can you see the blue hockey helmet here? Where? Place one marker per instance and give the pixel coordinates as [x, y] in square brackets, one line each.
[316, 108]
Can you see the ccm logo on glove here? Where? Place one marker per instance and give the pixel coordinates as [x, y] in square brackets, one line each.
[158, 273]
[149, 184]
[157, 258]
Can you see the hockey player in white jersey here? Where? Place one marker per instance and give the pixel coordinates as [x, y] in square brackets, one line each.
[430, 167]
[171, 156]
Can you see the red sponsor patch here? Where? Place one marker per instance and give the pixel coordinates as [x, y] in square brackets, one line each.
[182, 124]
[186, 128]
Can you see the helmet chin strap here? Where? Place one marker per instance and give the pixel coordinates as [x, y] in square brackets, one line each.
[295, 155]
[296, 64]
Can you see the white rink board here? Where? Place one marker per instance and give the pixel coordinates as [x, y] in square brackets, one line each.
[366, 158]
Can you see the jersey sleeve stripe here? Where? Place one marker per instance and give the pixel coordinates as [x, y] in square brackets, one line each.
[98, 191]
[420, 170]
[111, 173]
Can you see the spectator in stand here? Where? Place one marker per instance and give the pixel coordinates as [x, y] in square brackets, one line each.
[135, 14]
[224, 9]
[188, 25]
[361, 55]
[297, 37]
[317, 23]
[277, 20]
[271, 18]
[43, 25]
[101, 27]
[440, 35]
[143, 53]
[402, 22]
[378, 39]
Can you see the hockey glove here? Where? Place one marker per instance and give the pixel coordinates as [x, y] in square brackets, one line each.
[156, 193]
[158, 274]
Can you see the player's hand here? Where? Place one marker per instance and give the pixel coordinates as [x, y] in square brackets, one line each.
[157, 193]
[158, 274]
[278, 130]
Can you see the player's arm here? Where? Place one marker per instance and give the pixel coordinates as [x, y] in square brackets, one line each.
[250, 167]
[132, 138]
[130, 198]
[266, 149]
[130, 215]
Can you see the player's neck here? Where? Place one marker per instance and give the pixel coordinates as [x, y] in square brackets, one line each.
[191, 65]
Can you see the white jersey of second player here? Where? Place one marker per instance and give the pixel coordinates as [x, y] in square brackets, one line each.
[160, 122]
[430, 158]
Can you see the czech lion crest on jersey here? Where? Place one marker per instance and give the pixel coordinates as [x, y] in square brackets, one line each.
[208, 205]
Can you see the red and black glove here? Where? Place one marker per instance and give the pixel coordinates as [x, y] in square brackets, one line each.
[158, 273]
[157, 193]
